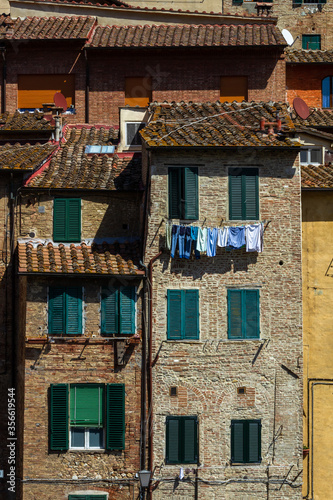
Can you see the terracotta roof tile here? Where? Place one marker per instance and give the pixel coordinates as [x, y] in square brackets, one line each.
[108, 3]
[309, 56]
[318, 118]
[217, 124]
[26, 157]
[24, 121]
[317, 176]
[72, 168]
[107, 259]
[51, 28]
[224, 35]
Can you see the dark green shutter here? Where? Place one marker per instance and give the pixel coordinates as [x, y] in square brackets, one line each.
[235, 197]
[67, 219]
[191, 193]
[234, 314]
[251, 306]
[190, 440]
[74, 219]
[59, 417]
[79, 497]
[86, 405]
[127, 310]
[190, 314]
[109, 311]
[74, 310]
[297, 2]
[254, 441]
[237, 442]
[251, 202]
[115, 417]
[56, 311]
[172, 440]
[175, 203]
[174, 298]
[59, 219]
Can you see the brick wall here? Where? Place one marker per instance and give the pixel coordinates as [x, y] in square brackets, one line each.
[305, 81]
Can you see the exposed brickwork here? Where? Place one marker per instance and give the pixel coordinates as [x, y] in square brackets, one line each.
[304, 81]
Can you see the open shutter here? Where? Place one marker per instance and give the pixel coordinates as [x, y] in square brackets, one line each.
[254, 441]
[251, 299]
[234, 314]
[59, 219]
[59, 417]
[74, 220]
[56, 311]
[109, 311]
[191, 193]
[235, 197]
[190, 440]
[172, 440]
[175, 193]
[251, 202]
[115, 417]
[237, 442]
[127, 310]
[174, 315]
[74, 311]
[191, 314]
[86, 405]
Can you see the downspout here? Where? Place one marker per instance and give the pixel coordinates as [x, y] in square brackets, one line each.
[143, 377]
[4, 80]
[87, 87]
[12, 263]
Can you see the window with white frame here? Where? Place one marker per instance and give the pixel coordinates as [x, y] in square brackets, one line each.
[311, 156]
[133, 137]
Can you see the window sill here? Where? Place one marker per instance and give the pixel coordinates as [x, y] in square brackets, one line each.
[245, 464]
[185, 341]
[79, 450]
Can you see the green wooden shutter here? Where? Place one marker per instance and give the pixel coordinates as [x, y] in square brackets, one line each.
[190, 440]
[79, 497]
[237, 441]
[74, 311]
[59, 219]
[191, 193]
[115, 417]
[251, 306]
[251, 201]
[59, 417]
[172, 440]
[190, 304]
[254, 441]
[86, 405]
[235, 196]
[109, 311]
[127, 310]
[74, 219]
[297, 2]
[56, 311]
[174, 298]
[175, 193]
[234, 314]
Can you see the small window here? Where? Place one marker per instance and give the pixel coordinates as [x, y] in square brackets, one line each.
[183, 314]
[245, 441]
[243, 314]
[99, 150]
[67, 219]
[65, 311]
[138, 91]
[36, 90]
[183, 193]
[299, 2]
[233, 88]
[312, 42]
[181, 440]
[118, 311]
[327, 92]
[133, 137]
[243, 194]
[311, 156]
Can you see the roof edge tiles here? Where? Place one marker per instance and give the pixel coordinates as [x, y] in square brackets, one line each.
[317, 176]
[302, 56]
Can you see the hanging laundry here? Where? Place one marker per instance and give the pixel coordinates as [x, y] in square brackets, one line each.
[253, 237]
[222, 238]
[174, 239]
[236, 237]
[168, 231]
[194, 236]
[188, 242]
[211, 241]
[202, 239]
[181, 241]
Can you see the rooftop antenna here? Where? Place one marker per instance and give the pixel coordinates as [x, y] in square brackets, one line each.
[288, 37]
[301, 108]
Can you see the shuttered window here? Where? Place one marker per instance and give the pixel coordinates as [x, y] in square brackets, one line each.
[311, 42]
[243, 314]
[65, 311]
[183, 314]
[36, 90]
[67, 219]
[243, 194]
[87, 497]
[183, 193]
[88, 411]
[234, 88]
[118, 311]
[245, 441]
[138, 91]
[181, 440]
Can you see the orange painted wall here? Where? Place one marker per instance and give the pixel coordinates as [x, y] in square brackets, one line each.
[304, 80]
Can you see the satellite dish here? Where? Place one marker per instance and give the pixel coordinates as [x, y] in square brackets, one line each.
[60, 101]
[288, 37]
[301, 108]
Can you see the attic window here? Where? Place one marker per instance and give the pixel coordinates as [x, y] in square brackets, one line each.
[133, 137]
[311, 156]
[96, 150]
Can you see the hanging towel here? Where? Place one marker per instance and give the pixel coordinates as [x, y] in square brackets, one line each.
[222, 238]
[181, 241]
[168, 230]
[253, 238]
[194, 236]
[174, 238]
[188, 242]
[236, 237]
[202, 239]
[211, 242]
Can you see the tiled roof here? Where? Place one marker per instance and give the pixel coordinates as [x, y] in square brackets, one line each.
[72, 168]
[309, 56]
[50, 28]
[317, 118]
[101, 3]
[107, 259]
[24, 122]
[317, 176]
[217, 124]
[224, 35]
[26, 157]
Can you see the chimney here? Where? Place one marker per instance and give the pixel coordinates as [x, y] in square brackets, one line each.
[57, 132]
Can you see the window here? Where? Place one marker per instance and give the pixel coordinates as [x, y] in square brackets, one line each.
[327, 92]
[299, 2]
[138, 91]
[133, 137]
[183, 193]
[181, 440]
[243, 194]
[233, 88]
[99, 150]
[118, 311]
[245, 441]
[87, 416]
[67, 219]
[243, 314]
[36, 90]
[87, 497]
[311, 42]
[183, 315]
[311, 156]
[65, 310]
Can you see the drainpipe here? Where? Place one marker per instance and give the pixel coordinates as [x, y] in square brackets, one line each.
[143, 377]
[87, 87]
[4, 80]
[12, 263]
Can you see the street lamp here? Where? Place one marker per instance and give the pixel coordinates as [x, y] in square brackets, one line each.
[144, 477]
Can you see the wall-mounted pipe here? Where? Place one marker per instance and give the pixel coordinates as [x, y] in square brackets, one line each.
[87, 87]
[4, 80]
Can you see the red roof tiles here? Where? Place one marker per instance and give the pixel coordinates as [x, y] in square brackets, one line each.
[24, 122]
[26, 157]
[51, 28]
[322, 118]
[309, 56]
[319, 177]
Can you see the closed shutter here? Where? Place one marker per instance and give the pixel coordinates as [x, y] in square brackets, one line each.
[59, 219]
[174, 314]
[56, 311]
[86, 405]
[233, 88]
[127, 310]
[237, 442]
[326, 92]
[251, 202]
[175, 193]
[251, 305]
[191, 193]
[67, 219]
[254, 441]
[59, 417]
[138, 91]
[172, 440]
[191, 314]
[115, 417]
[235, 197]
[74, 220]
[190, 440]
[234, 314]
[109, 310]
[74, 311]
[79, 497]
